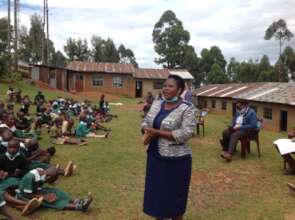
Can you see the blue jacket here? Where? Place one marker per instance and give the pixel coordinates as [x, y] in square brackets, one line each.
[249, 120]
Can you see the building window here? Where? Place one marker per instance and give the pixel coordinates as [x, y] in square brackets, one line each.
[158, 84]
[205, 104]
[223, 105]
[254, 108]
[213, 103]
[97, 81]
[267, 113]
[117, 82]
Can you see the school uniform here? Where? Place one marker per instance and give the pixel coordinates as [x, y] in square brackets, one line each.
[2, 201]
[82, 130]
[3, 145]
[32, 184]
[33, 164]
[10, 164]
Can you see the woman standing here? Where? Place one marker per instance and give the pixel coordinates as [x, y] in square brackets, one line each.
[167, 127]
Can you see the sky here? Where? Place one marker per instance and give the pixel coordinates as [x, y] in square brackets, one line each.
[237, 27]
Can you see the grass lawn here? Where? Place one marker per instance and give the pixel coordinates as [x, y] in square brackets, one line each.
[113, 170]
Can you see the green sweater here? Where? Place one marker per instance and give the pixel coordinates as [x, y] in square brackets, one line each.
[82, 130]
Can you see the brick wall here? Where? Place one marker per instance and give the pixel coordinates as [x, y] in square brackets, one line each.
[127, 89]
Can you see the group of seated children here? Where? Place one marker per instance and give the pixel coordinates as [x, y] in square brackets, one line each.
[25, 166]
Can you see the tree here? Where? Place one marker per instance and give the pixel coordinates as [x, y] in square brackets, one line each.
[4, 55]
[248, 72]
[266, 71]
[288, 58]
[58, 60]
[216, 75]
[104, 50]
[77, 49]
[191, 63]
[209, 58]
[82, 52]
[30, 45]
[171, 41]
[280, 32]
[70, 48]
[233, 69]
[126, 55]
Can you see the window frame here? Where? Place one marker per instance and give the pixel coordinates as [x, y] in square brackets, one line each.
[267, 113]
[213, 103]
[117, 82]
[223, 105]
[97, 81]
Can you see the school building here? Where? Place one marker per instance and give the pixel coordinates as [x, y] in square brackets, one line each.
[273, 102]
[115, 78]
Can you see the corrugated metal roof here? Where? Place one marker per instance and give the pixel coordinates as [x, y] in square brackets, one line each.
[101, 67]
[142, 73]
[283, 93]
[182, 73]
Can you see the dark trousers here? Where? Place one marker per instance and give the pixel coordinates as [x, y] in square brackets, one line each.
[230, 139]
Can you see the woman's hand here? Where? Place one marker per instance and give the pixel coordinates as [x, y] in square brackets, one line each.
[149, 134]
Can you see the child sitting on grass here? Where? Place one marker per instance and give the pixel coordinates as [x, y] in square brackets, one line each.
[82, 131]
[31, 186]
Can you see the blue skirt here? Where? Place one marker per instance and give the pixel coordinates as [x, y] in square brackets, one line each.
[166, 186]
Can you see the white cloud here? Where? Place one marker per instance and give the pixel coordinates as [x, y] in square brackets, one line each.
[236, 26]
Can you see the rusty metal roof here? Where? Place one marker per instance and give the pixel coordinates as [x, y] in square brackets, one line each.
[282, 93]
[142, 73]
[120, 68]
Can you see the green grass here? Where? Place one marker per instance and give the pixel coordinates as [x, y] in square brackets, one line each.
[114, 170]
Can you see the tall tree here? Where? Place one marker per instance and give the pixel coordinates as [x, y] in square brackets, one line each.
[280, 32]
[58, 59]
[4, 54]
[191, 63]
[288, 58]
[266, 71]
[31, 41]
[209, 58]
[104, 50]
[217, 75]
[77, 49]
[248, 72]
[82, 52]
[71, 49]
[127, 55]
[233, 69]
[171, 40]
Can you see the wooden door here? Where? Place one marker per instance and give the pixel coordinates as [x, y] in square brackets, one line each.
[79, 82]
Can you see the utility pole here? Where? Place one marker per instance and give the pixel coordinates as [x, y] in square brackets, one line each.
[43, 34]
[47, 33]
[8, 33]
[16, 20]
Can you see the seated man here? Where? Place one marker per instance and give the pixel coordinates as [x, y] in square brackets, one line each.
[245, 118]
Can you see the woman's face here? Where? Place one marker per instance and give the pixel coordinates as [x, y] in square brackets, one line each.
[170, 89]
